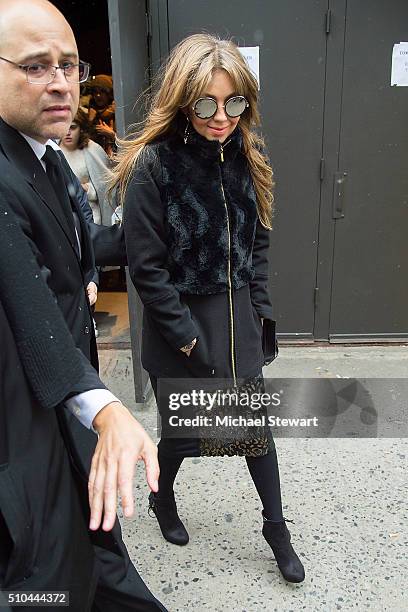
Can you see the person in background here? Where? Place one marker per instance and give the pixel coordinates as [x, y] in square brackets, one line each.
[90, 164]
[108, 242]
[101, 112]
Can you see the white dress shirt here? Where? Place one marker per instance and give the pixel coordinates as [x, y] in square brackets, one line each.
[85, 406]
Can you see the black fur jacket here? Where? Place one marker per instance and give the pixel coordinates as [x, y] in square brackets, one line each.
[209, 205]
[190, 209]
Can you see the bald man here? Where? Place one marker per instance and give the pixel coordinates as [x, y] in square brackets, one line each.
[40, 72]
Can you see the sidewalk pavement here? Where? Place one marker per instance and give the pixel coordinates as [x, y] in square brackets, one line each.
[348, 498]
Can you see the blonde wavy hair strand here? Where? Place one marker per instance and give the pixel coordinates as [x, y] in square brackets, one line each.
[181, 80]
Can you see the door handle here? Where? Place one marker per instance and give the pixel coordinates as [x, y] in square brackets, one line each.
[339, 194]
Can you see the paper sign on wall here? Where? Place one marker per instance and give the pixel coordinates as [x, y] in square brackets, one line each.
[399, 70]
[251, 55]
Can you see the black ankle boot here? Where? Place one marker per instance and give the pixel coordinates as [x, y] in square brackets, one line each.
[278, 537]
[169, 521]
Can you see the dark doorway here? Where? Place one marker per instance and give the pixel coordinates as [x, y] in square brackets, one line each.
[90, 22]
[370, 265]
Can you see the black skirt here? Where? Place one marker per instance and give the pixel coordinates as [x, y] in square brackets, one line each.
[212, 360]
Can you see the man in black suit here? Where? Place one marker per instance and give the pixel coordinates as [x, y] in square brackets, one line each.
[40, 73]
[44, 506]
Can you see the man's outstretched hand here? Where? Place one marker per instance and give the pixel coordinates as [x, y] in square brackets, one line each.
[122, 442]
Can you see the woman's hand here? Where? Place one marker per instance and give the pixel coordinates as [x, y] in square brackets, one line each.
[85, 186]
[92, 292]
[104, 130]
[189, 347]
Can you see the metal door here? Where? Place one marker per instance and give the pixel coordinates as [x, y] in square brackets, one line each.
[370, 265]
[292, 40]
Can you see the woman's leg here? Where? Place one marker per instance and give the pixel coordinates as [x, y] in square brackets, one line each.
[169, 467]
[162, 503]
[169, 460]
[265, 475]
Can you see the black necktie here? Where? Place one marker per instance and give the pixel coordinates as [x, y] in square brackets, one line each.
[56, 178]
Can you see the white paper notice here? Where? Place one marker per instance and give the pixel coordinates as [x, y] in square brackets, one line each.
[251, 55]
[399, 70]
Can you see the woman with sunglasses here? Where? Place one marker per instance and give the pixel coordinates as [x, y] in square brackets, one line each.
[197, 193]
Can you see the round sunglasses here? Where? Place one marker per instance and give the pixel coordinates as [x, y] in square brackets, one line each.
[205, 108]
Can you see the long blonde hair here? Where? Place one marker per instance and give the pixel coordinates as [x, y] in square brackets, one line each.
[181, 80]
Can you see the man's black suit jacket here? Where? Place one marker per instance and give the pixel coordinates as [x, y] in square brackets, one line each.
[41, 217]
[43, 531]
[43, 520]
[25, 187]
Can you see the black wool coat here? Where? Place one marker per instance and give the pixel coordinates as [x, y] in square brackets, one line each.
[43, 222]
[198, 256]
[25, 187]
[43, 511]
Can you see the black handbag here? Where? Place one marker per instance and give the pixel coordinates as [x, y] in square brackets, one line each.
[269, 341]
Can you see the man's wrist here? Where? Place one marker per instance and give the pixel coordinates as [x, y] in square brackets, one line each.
[189, 346]
[85, 406]
[104, 414]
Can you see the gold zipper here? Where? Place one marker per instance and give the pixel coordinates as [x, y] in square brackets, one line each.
[231, 307]
[222, 149]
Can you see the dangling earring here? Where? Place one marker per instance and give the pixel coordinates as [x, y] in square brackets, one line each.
[187, 131]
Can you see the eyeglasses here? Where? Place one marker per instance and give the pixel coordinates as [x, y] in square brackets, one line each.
[205, 108]
[42, 74]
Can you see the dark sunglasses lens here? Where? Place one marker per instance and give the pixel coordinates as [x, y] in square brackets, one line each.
[235, 106]
[205, 108]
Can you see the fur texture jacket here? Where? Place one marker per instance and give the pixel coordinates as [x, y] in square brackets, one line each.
[190, 220]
